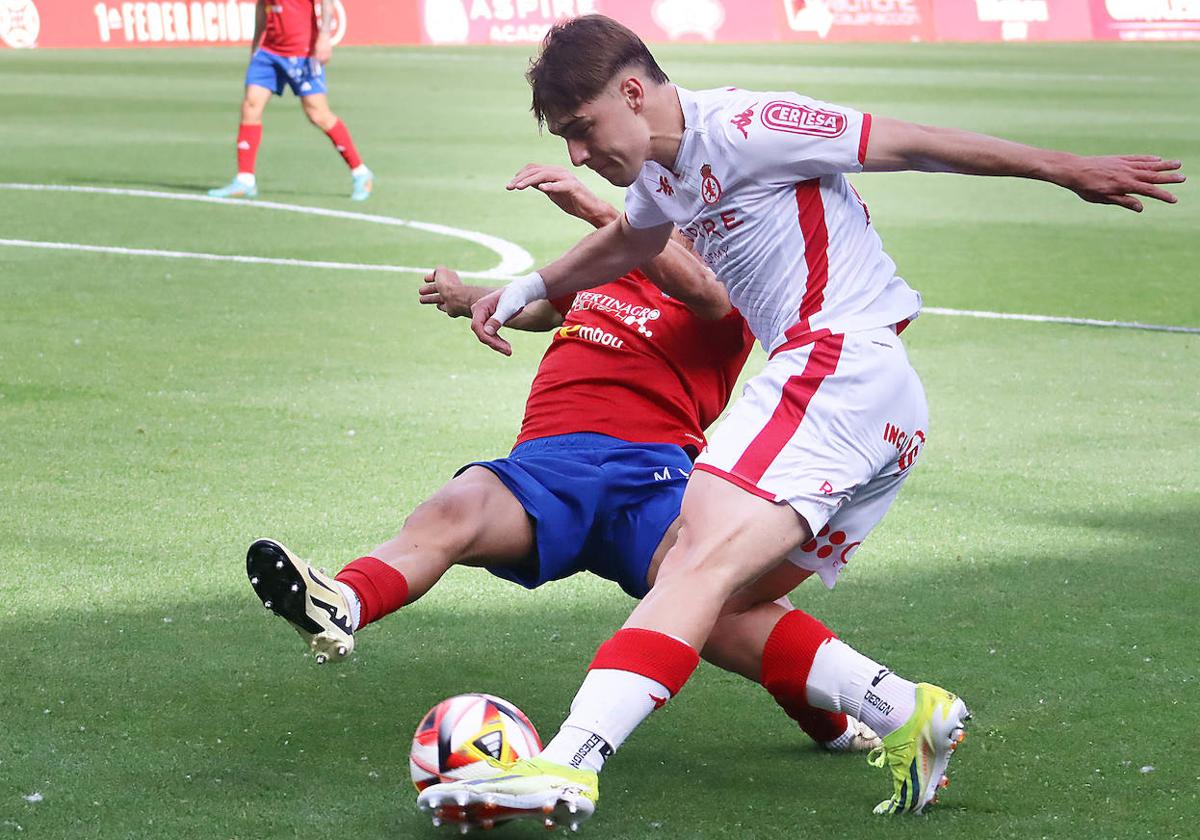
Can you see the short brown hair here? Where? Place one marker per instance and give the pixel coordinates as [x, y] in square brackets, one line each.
[579, 57]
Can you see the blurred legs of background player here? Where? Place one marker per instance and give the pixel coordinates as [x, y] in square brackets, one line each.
[269, 74]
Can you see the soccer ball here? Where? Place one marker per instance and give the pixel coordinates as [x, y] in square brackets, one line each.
[456, 735]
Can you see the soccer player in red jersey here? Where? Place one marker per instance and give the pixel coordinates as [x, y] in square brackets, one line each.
[290, 47]
[614, 419]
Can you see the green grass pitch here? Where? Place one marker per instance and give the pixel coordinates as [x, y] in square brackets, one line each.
[158, 414]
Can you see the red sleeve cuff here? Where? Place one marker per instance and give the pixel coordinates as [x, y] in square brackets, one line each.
[863, 139]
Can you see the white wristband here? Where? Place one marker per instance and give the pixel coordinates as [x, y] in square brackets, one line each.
[518, 294]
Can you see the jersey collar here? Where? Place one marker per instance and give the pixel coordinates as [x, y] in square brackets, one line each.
[690, 106]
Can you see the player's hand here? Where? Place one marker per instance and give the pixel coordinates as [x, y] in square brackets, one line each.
[1119, 179]
[323, 48]
[445, 290]
[565, 190]
[485, 325]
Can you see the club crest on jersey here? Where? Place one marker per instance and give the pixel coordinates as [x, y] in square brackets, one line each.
[710, 187]
[801, 119]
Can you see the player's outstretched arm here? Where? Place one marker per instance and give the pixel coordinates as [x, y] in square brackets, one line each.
[445, 290]
[685, 277]
[323, 46]
[677, 270]
[598, 258]
[260, 24]
[566, 191]
[896, 145]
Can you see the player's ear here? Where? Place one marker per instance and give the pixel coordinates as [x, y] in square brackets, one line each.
[633, 93]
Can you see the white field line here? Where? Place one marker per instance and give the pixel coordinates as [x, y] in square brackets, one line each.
[1058, 319]
[234, 258]
[491, 275]
[513, 258]
[511, 254]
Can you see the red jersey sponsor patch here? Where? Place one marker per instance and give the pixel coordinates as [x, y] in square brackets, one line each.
[634, 364]
[795, 118]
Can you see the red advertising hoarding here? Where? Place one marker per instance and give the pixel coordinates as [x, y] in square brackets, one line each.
[1146, 20]
[526, 21]
[856, 20]
[88, 23]
[1013, 20]
[168, 23]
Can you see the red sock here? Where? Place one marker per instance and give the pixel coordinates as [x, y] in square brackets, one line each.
[381, 589]
[249, 136]
[787, 658]
[653, 655]
[340, 136]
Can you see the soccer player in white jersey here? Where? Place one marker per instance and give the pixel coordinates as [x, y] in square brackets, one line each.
[814, 452]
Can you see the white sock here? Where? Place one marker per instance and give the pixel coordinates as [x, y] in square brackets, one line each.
[361, 169]
[353, 602]
[609, 706]
[246, 178]
[842, 741]
[843, 680]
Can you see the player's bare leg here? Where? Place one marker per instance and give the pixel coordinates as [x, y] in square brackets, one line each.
[244, 184]
[316, 108]
[724, 535]
[744, 632]
[446, 529]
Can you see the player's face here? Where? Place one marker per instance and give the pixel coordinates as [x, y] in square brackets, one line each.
[608, 134]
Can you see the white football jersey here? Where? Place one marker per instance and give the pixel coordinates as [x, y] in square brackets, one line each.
[759, 187]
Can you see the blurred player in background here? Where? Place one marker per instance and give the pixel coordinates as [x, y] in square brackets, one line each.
[813, 453]
[615, 416]
[290, 48]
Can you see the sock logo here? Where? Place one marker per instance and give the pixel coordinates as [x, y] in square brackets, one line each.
[659, 702]
[879, 703]
[883, 672]
[592, 743]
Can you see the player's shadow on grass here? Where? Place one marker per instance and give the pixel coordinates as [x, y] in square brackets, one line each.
[212, 709]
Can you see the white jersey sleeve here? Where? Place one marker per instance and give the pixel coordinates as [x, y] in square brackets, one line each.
[785, 138]
[640, 208]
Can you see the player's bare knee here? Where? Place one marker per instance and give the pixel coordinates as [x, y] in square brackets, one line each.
[441, 525]
[251, 113]
[321, 117]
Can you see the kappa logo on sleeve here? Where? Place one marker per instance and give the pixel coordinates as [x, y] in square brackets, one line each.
[794, 118]
[742, 120]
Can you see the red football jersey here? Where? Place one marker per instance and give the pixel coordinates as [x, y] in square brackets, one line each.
[291, 27]
[632, 363]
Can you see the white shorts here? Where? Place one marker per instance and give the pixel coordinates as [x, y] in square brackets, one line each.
[831, 428]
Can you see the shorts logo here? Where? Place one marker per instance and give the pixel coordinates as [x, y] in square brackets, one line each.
[908, 447]
[710, 187]
[20, 23]
[825, 544]
[801, 119]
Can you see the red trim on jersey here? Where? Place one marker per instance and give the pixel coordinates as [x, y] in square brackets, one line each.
[810, 214]
[789, 414]
[654, 655]
[863, 138]
[736, 481]
[799, 339]
[901, 326]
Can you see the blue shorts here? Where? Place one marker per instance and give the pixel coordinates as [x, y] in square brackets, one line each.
[598, 504]
[304, 75]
